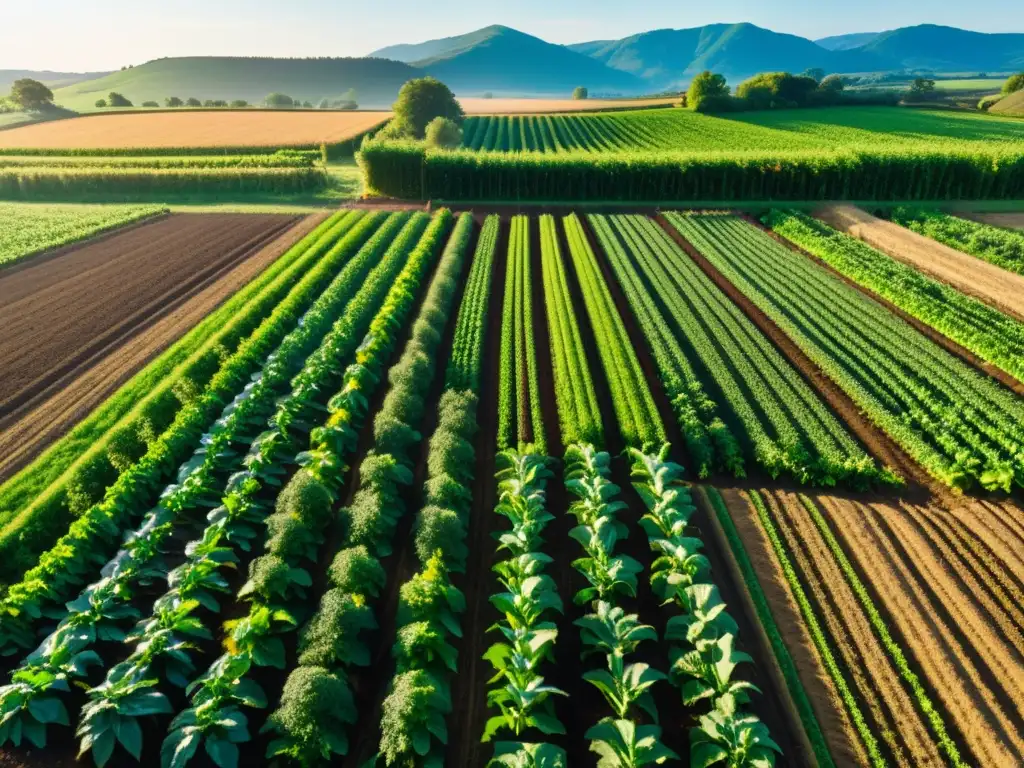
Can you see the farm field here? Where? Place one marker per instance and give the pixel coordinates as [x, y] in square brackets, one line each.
[479, 106]
[989, 240]
[1008, 220]
[196, 130]
[436, 487]
[29, 229]
[25, 432]
[848, 128]
[990, 283]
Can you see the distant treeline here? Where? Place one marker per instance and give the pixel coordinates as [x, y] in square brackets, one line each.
[709, 92]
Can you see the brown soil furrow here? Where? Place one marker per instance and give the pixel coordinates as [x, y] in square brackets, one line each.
[70, 318]
[987, 282]
[944, 664]
[970, 627]
[842, 740]
[1009, 519]
[982, 562]
[989, 530]
[898, 722]
[27, 432]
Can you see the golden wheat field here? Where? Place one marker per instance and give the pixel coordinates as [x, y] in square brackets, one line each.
[252, 128]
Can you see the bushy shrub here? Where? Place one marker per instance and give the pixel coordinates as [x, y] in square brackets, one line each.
[115, 99]
[308, 499]
[332, 636]
[419, 102]
[174, 101]
[445, 491]
[151, 104]
[89, 483]
[316, 710]
[706, 85]
[356, 571]
[441, 530]
[580, 93]
[1013, 84]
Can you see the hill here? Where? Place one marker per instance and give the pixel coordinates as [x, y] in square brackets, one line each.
[375, 81]
[669, 57]
[948, 49]
[846, 42]
[1012, 105]
[52, 79]
[507, 62]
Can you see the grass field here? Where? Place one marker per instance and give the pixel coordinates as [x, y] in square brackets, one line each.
[203, 130]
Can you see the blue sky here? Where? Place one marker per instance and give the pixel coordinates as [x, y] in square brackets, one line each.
[106, 34]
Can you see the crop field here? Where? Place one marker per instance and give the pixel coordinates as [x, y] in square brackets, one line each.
[437, 488]
[681, 130]
[998, 246]
[197, 130]
[479, 106]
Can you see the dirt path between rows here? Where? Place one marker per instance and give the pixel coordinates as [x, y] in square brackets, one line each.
[27, 431]
[987, 282]
[1005, 220]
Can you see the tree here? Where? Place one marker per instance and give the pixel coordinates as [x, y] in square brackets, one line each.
[832, 83]
[239, 104]
[278, 101]
[174, 101]
[921, 88]
[580, 93]
[150, 104]
[31, 94]
[115, 99]
[706, 85]
[443, 133]
[193, 102]
[1013, 84]
[420, 101]
[488, 95]
[771, 90]
[101, 103]
[815, 73]
[307, 104]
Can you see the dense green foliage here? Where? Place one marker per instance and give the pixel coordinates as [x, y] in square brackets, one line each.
[28, 229]
[520, 422]
[1014, 83]
[1002, 247]
[958, 424]
[30, 94]
[578, 411]
[991, 335]
[784, 426]
[278, 159]
[333, 641]
[470, 330]
[47, 183]
[706, 86]
[419, 102]
[443, 133]
[703, 637]
[164, 426]
[639, 420]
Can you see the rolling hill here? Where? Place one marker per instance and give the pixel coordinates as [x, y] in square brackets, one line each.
[669, 57]
[846, 42]
[1012, 105]
[53, 79]
[510, 63]
[375, 81]
[949, 49]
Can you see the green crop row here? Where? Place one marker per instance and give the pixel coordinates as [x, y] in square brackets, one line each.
[166, 636]
[317, 706]
[961, 426]
[271, 317]
[134, 183]
[471, 328]
[412, 171]
[710, 443]
[557, 133]
[639, 420]
[704, 635]
[578, 411]
[987, 332]
[520, 422]
[276, 160]
[789, 427]
[1002, 247]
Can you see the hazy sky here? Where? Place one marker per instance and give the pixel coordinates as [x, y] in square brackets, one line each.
[78, 35]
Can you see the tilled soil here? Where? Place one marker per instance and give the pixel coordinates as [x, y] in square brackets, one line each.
[1007, 220]
[993, 285]
[63, 316]
[948, 586]
[27, 431]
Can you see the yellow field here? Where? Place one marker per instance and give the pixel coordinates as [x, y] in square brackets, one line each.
[250, 128]
[541, 106]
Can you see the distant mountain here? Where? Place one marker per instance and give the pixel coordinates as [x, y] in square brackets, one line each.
[376, 81]
[948, 49]
[52, 79]
[846, 42]
[670, 57]
[507, 62]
